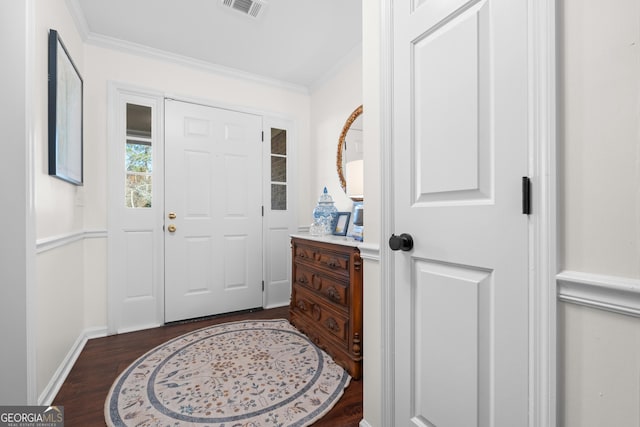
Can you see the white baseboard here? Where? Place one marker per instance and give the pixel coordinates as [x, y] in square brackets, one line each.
[51, 390]
[364, 423]
[616, 294]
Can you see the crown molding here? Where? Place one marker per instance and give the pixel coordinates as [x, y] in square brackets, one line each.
[161, 55]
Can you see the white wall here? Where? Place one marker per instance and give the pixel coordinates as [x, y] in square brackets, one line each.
[600, 368]
[57, 212]
[105, 65]
[59, 309]
[332, 103]
[601, 136]
[599, 170]
[60, 271]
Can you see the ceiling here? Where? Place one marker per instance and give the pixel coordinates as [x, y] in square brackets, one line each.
[295, 42]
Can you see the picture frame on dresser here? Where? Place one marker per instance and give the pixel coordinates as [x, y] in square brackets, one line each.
[341, 224]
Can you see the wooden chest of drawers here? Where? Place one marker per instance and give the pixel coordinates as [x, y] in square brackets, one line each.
[326, 299]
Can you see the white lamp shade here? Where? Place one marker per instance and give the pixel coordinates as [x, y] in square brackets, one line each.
[355, 179]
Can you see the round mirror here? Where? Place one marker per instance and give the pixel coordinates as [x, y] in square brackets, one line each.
[349, 145]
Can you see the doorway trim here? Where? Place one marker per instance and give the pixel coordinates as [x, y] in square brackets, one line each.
[275, 294]
[542, 222]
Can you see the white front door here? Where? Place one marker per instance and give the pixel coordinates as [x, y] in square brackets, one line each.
[460, 152]
[213, 211]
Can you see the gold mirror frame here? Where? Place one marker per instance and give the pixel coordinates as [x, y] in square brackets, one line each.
[341, 141]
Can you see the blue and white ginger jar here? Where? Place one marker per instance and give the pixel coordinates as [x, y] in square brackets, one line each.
[325, 212]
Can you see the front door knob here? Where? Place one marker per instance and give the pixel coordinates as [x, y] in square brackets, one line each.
[171, 228]
[402, 242]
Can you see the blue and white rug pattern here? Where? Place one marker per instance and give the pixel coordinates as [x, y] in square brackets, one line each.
[261, 373]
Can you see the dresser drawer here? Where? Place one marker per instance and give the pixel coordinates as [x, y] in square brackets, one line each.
[306, 304]
[331, 289]
[336, 262]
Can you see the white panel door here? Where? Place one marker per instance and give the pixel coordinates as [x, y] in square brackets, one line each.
[460, 152]
[213, 211]
[135, 249]
[279, 210]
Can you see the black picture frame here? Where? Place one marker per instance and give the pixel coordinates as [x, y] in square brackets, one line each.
[65, 114]
[341, 224]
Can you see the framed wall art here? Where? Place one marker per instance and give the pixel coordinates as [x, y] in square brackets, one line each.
[65, 114]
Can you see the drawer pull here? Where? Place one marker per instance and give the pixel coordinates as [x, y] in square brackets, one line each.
[303, 280]
[333, 294]
[302, 306]
[333, 263]
[332, 325]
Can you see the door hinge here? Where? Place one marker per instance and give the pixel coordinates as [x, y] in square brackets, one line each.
[262, 136]
[262, 210]
[526, 195]
[263, 286]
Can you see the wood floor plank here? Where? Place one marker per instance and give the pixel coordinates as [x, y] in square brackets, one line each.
[84, 392]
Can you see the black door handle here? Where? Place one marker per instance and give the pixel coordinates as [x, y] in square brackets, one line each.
[402, 242]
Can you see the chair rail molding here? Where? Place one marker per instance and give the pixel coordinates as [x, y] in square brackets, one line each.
[611, 293]
[49, 243]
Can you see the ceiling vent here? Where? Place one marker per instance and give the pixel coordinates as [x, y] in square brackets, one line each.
[252, 8]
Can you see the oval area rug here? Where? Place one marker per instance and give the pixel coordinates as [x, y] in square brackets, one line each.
[252, 374]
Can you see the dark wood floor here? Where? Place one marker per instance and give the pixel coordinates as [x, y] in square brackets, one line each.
[103, 359]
